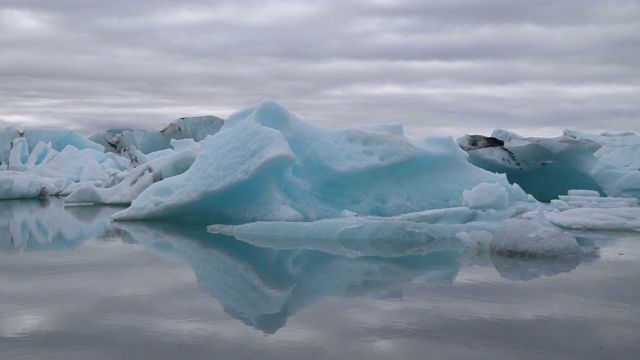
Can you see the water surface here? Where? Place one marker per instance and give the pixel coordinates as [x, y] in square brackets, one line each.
[74, 285]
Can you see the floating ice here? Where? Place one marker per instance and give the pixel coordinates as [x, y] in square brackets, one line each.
[266, 164]
[60, 162]
[549, 167]
[584, 210]
[354, 236]
[533, 238]
[486, 196]
[18, 185]
[408, 234]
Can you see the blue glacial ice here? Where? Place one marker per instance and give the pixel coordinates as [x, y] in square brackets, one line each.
[267, 164]
[605, 163]
[274, 180]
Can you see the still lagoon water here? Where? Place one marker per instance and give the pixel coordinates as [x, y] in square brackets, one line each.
[74, 285]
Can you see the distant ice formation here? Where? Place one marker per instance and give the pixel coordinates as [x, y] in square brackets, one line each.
[196, 128]
[548, 167]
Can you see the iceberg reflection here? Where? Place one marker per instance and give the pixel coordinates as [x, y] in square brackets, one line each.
[263, 282]
[46, 224]
[523, 268]
[263, 287]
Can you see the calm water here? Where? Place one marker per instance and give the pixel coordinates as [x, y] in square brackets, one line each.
[75, 286]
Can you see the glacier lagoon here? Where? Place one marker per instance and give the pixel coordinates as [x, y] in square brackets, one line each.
[263, 230]
[75, 285]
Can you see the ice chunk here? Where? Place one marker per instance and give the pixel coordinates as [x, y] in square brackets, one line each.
[20, 185]
[601, 219]
[136, 180]
[75, 165]
[533, 238]
[42, 152]
[585, 193]
[597, 215]
[6, 136]
[460, 215]
[486, 196]
[19, 154]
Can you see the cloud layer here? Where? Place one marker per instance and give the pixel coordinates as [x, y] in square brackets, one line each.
[440, 67]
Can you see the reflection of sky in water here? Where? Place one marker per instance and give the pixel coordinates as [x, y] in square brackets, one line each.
[135, 290]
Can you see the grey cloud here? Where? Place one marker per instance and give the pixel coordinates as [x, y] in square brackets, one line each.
[440, 67]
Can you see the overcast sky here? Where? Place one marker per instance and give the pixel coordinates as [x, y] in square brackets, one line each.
[441, 67]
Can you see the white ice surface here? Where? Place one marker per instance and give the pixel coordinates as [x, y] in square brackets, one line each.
[581, 210]
[533, 238]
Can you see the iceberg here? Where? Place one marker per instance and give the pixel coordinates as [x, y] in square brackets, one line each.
[18, 185]
[266, 164]
[584, 210]
[548, 167]
[62, 163]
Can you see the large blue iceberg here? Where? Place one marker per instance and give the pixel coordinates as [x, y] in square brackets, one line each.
[267, 164]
